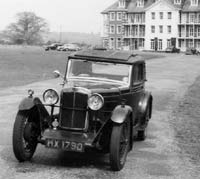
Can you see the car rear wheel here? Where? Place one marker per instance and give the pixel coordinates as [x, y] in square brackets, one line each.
[25, 134]
[119, 145]
[142, 134]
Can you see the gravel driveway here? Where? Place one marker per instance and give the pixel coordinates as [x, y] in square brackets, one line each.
[157, 157]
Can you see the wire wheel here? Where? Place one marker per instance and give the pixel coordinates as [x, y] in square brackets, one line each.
[119, 145]
[25, 135]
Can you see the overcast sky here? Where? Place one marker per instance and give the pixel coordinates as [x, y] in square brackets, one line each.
[70, 15]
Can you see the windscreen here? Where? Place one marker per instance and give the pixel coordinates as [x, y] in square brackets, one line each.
[98, 70]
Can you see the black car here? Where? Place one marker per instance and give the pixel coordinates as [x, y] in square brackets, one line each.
[192, 51]
[172, 49]
[53, 46]
[103, 105]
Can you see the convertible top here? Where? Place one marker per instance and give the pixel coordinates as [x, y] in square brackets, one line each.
[112, 56]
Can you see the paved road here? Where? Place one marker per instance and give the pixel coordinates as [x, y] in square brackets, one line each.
[157, 157]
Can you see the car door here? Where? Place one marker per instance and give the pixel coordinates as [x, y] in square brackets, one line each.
[137, 88]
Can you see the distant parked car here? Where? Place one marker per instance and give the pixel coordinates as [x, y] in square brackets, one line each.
[99, 48]
[69, 47]
[192, 51]
[53, 46]
[172, 49]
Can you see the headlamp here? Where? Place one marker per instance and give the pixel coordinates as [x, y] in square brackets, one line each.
[95, 102]
[50, 97]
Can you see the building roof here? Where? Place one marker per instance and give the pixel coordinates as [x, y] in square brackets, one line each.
[132, 7]
[188, 8]
[185, 6]
[113, 7]
[111, 56]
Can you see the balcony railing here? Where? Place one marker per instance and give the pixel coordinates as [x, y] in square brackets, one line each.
[129, 21]
[195, 21]
[129, 35]
[188, 35]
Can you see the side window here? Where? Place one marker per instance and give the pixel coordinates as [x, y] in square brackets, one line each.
[138, 73]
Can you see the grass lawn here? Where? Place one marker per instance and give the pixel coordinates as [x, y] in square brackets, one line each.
[22, 65]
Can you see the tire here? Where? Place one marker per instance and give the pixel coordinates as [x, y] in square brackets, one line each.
[142, 134]
[119, 145]
[25, 135]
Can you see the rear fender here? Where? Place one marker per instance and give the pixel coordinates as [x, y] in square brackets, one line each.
[120, 113]
[146, 100]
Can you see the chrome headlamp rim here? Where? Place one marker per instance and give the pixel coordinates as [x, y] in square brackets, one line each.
[100, 97]
[55, 93]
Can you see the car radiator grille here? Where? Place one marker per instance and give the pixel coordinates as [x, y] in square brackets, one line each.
[73, 112]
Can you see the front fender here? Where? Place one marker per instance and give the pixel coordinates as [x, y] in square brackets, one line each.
[34, 105]
[120, 113]
[28, 103]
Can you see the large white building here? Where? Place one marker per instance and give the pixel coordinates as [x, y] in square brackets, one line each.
[152, 24]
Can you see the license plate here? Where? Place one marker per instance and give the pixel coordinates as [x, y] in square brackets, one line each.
[65, 145]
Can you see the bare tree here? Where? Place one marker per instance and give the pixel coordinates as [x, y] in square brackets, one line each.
[28, 29]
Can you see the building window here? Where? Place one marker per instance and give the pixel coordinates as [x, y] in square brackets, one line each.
[194, 2]
[198, 44]
[112, 43]
[192, 17]
[191, 31]
[112, 29]
[199, 18]
[160, 28]
[191, 43]
[119, 16]
[153, 15]
[141, 43]
[152, 44]
[137, 18]
[112, 16]
[119, 29]
[118, 43]
[169, 29]
[122, 3]
[152, 29]
[160, 44]
[161, 15]
[177, 1]
[169, 14]
[168, 42]
[198, 32]
[140, 3]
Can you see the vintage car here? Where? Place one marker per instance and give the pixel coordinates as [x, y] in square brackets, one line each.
[53, 46]
[102, 106]
[192, 51]
[69, 47]
[172, 49]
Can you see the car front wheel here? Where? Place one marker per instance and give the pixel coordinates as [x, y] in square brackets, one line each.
[119, 145]
[25, 134]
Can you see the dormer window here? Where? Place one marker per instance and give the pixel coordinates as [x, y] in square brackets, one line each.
[122, 3]
[140, 3]
[194, 2]
[178, 2]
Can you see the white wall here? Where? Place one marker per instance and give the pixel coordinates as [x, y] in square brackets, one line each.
[164, 7]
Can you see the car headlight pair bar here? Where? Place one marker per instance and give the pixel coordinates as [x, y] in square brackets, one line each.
[95, 101]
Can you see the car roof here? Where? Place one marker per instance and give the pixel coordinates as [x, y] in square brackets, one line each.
[123, 57]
